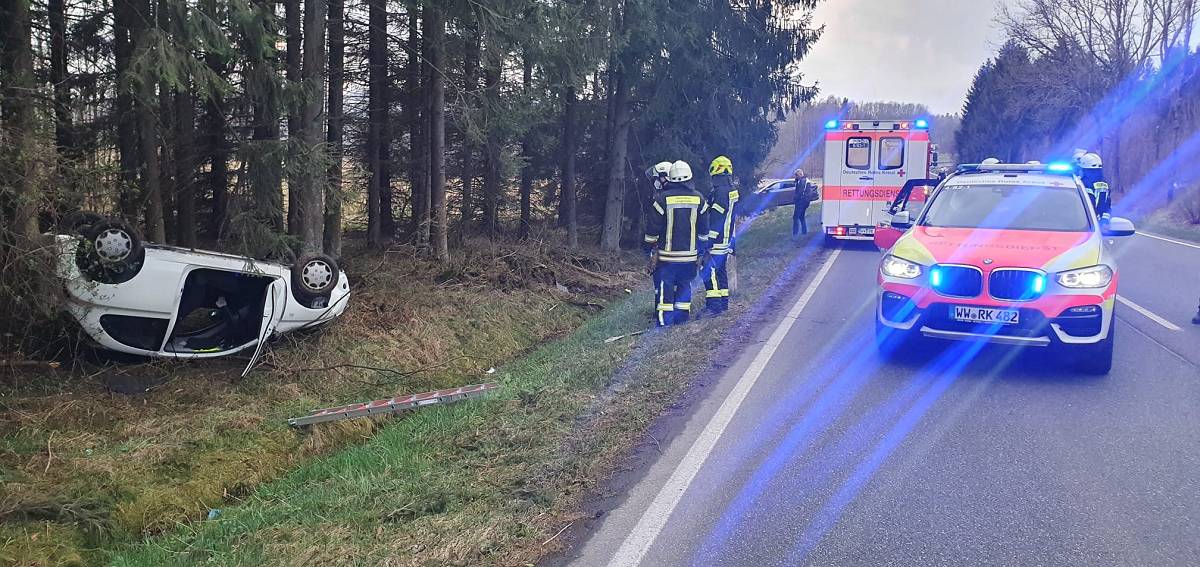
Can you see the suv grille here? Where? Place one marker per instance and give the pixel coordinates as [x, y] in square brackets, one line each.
[956, 281]
[1016, 285]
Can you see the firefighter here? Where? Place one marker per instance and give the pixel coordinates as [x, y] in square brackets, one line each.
[801, 199]
[657, 174]
[722, 202]
[678, 227]
[1091, 172]
[1196, 319]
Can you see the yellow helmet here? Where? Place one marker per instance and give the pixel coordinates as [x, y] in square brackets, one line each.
[720, 166]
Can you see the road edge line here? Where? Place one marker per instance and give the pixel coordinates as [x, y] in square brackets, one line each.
[1171, 240]
[633, 549]
[1149, 314]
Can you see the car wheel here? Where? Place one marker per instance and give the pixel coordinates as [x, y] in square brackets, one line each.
[314, 276]
[110, 251]
[1097, 359]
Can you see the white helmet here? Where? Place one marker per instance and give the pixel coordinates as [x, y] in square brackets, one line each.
[1090, 160]
[662, 168]
[680, 172]
[990, 161]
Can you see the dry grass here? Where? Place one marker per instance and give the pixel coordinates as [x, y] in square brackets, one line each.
[84, 469]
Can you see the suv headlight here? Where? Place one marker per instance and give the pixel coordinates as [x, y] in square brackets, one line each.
[1086, 278]
[899, 267]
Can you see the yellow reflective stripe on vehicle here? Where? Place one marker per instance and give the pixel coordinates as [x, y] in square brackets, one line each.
[659, 208]
[912, 250]
[683, 200]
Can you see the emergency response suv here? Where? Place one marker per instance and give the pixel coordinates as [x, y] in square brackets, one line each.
[866, 164]
[1009, 254]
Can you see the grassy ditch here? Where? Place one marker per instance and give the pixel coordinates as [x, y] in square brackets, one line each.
[1170, 222]
[490, 481]
[84, 471]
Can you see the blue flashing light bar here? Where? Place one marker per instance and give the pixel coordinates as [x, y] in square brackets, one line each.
[831, 125]
[935, 277]
[921, 123]
[1060, 167]
[1038, 285]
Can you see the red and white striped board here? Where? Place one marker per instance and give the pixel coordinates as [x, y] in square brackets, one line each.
[393, 405]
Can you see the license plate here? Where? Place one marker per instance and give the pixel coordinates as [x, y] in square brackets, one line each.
[967, 314]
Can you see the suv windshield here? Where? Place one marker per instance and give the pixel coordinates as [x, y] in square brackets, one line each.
[1008, 207]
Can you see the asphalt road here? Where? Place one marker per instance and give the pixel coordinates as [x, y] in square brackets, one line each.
[810, 450]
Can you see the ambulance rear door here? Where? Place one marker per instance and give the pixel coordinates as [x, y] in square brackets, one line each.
[853, 189]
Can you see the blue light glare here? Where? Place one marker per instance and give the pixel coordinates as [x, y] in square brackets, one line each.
[1061, 167]
[922, 123]
[935, 277]
[832, 124]
[1038, 285]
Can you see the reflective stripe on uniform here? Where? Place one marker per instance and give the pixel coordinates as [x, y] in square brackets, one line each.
[651, 239]
[683, 306]
[717, 207]
[659, 208]
[683, 200]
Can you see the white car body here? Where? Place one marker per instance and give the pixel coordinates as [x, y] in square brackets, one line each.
[142, 316]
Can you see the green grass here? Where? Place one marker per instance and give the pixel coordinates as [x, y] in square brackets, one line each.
[486, 481]
[1170, 224]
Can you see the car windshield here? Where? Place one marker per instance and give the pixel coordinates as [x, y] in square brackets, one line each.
[1008, 207]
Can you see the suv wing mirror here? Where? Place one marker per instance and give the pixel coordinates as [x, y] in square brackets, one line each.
[902, 220]
[1117, 226]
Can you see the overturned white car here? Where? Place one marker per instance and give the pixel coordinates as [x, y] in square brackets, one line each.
[170, 302]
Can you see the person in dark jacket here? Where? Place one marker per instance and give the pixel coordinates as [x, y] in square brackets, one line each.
[677, 225]
[803, 197]
[722, 202]
[1196, 319]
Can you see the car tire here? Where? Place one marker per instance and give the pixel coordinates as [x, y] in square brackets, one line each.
[111, 251]
[314, 276]
[1097, 359]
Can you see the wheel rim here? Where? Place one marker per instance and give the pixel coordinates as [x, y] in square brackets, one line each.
[317, 275]
[113, 245]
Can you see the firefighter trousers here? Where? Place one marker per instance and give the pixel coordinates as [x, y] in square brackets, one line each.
[716, 284]
[673, 292]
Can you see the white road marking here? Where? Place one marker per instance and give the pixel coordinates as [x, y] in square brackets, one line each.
[1171, 240]
[638, 542]
[1149, 314]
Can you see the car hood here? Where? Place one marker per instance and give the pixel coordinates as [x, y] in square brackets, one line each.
[989, 248]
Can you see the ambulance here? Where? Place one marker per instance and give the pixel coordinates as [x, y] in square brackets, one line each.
[866, 164]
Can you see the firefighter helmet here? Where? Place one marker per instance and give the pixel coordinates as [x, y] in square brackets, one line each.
[721, 166]
[1090, 160]
[990, 161]
[680, 172]
[662, 168]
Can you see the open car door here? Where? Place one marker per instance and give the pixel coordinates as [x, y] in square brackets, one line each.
[885, 234]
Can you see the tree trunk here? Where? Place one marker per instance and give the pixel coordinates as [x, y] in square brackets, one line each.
[266, 153]
[610, 235]
[437, 134]
[309, 196]
[333, 193]
[376, 110]
[569, 145]
[491, 160]
[414, 118]
[526, 154]
[185, 169]
[63, 128]
[147, 134]
[18, 117]
[471, 82]
[124, 21]
[292, 23]
[423, 203]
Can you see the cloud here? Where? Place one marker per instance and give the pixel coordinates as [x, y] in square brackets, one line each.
[923, 51]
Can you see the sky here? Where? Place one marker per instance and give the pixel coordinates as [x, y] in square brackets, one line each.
[923, 51]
